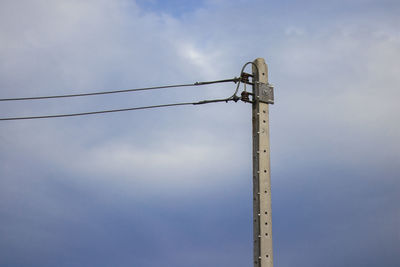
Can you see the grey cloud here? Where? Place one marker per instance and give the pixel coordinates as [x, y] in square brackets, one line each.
[112, 190]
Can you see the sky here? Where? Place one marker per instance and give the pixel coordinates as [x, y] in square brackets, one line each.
[173, 186]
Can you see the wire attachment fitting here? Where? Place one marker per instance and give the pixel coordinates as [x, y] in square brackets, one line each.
[245, 96]
[235, 98]
[244, 78]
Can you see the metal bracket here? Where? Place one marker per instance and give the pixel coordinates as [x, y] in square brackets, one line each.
[264, 93]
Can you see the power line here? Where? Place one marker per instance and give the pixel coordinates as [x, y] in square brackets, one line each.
[235, 80]
[119, 110]
[242, 78]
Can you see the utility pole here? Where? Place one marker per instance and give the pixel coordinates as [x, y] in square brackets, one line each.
[262, 230]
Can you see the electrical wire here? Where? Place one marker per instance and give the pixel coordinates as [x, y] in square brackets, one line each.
[235, 80]
[233, 97]
[241, 75]
[113, 110]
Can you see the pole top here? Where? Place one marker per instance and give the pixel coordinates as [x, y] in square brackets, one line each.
[262, 90]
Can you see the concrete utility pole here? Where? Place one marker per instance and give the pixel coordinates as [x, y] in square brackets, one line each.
[262, 231]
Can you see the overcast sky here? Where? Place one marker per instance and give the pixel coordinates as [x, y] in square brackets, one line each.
[172, 187]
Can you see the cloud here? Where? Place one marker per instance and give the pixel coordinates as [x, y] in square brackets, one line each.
[178, 181]
[342, 97]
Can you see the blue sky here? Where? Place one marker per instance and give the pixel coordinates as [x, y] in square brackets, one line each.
[172, 187]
